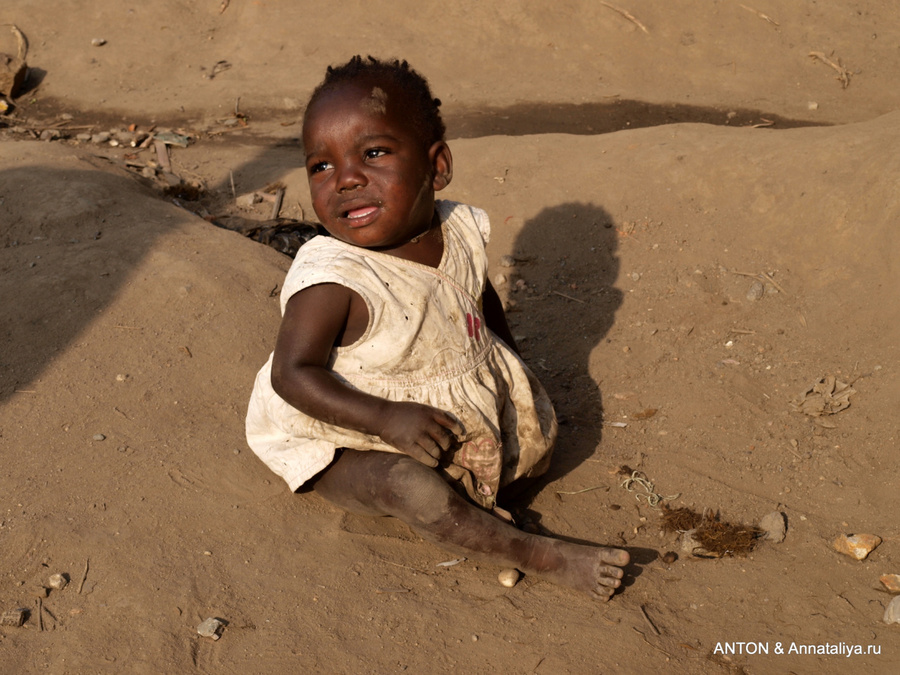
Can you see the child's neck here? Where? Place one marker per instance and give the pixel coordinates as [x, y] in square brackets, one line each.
[426, 248]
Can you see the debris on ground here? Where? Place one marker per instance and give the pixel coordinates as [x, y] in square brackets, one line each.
[826, 396]
[706, 536]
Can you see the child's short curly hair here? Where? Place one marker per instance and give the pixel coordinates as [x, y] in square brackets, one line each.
[423, 108]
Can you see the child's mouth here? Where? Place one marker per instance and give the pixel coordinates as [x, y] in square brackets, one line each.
[360, 213]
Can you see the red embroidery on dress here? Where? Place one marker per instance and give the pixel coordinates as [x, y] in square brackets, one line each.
[473, 326]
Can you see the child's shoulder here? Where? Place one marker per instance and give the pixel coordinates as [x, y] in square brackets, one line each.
[465, 217]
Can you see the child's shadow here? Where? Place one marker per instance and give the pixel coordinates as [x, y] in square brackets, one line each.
[567, 257]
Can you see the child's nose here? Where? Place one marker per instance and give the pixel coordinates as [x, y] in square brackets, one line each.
[350, 176]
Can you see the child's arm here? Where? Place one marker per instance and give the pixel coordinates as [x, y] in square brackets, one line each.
[495, 318]
[314, 321]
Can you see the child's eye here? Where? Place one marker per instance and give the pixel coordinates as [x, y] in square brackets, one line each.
[317, 167]
[372, 153]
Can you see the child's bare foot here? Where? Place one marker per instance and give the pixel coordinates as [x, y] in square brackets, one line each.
[591, 569]
[381, 483]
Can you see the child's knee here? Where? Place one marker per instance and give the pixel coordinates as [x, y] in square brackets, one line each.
[420, 494]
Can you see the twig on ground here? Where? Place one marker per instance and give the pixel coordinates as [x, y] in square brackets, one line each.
[578, 492]
[843, 74]
[627, 15]
[761, 15]
[649, 622]
[568, 297]
[87, 566]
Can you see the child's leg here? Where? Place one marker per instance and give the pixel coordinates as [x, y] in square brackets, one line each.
[388, 484]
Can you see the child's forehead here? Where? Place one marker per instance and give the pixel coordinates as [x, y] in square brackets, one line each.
[375, 95]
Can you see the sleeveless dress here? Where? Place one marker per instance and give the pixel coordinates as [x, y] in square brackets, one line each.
[426, 342]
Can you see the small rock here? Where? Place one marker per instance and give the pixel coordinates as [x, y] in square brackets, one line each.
[669, 557]
[248, 200]
[508, 578]
[812, 105]
[13, 617]
[99, 437]
[500, 280]
[774, 526]
[211, 628]
[58, 581]
[101, 137]
[98, 42]
[49, 135]
[121, 377]
[507, 261]
[856, 545]
[892, 613]
[891, 582]
[756, 291]
[82, 137]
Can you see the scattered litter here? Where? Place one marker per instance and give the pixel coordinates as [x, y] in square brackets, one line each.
[856, 545]
[14, 617]
[508, 578]
[638, 478]
[705, 536]
[211, 628]
[450, 563]
[826, 396]
[891, 582]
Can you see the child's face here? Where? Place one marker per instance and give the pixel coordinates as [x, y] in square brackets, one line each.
[371, 177]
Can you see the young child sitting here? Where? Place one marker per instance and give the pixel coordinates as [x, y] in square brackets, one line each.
[395, 387]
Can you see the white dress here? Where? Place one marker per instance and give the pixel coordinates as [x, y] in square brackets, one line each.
[426, 342]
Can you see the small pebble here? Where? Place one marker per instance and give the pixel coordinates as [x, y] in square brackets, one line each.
[669, 557]
[507, 261]
[211, 628]
[98, 42]
[58, 581]
[508, 578]
[756, 291]
[101, 137]
[892, 613]
[856, 545]
[99, 437]
[500, 280]
[891, 582]
[773, 524]
[121, 378]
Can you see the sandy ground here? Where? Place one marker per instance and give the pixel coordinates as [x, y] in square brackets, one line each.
[648, 183]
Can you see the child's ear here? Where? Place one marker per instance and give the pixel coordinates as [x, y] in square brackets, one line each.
[442, 165]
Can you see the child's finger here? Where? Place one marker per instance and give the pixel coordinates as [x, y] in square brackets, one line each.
[450, 423]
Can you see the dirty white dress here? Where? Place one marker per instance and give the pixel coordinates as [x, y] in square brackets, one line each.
[426, 342]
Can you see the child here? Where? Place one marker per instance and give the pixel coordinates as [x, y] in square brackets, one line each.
[395, 387]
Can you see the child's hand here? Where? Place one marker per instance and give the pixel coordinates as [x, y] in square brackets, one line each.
[420, 431]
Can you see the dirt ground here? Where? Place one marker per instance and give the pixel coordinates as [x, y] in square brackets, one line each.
[703, 221]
